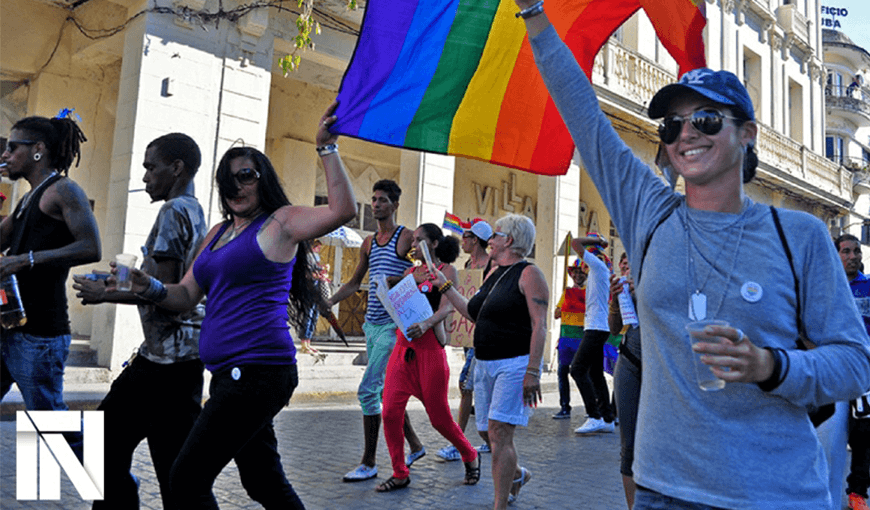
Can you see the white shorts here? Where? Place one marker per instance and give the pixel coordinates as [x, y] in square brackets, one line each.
[498, 391]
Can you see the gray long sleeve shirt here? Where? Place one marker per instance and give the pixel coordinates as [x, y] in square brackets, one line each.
[739, 447]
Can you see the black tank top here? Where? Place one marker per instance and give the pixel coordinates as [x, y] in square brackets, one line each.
[503, 328]
[43, 288]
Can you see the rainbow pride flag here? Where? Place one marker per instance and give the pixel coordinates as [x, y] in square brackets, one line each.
[454, 223]
[458, 76]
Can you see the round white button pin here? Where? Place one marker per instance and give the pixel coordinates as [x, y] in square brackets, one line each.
[236, 373]
[751, 292]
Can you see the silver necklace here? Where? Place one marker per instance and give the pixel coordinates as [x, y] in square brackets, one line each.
[698, 299]
[237, 229]
[26, 201]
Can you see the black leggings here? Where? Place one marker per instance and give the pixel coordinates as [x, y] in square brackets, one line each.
[587, 369]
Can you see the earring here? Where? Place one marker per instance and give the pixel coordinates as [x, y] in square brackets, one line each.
[37, 156]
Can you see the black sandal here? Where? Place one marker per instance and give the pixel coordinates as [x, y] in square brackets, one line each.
[472, 474]
[393, 484]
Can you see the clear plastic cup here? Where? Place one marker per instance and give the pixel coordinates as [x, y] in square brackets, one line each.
[125, 263]
[706, 379]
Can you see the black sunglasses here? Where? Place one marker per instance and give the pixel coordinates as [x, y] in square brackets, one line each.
[246, 176]
[708, 121]
[12, 145]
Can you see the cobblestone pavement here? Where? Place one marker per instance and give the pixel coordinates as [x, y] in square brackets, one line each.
[319, 443]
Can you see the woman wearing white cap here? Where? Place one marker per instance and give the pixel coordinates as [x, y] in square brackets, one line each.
[713, 253]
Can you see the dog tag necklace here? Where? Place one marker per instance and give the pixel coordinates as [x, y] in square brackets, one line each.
[698, 299]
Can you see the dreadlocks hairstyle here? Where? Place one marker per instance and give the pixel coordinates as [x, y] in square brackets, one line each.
[62, 138]
[303, 293]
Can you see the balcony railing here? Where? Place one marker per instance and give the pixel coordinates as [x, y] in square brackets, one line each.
[793, 23]
[628, 74]
[794, 159]
[851, 98]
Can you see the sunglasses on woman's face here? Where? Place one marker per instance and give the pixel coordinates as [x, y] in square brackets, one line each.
[707, 121]
[246, 176]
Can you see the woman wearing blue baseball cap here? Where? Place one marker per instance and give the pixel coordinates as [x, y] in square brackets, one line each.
[714, 253]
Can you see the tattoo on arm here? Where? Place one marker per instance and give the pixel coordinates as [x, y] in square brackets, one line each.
[541, 301]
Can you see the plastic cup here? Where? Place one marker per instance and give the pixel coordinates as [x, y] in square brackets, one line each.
[706, 379]
[125, 263]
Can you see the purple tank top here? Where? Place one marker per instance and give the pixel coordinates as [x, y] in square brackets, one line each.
[246, 311]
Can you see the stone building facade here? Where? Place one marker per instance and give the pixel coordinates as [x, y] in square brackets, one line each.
[136, 69]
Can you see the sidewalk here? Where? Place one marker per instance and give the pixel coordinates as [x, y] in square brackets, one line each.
[320, 440]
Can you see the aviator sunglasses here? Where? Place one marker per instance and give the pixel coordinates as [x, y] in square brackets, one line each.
[708, 121]
[246, 176]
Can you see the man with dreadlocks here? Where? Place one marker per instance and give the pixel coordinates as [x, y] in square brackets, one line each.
[51, 230]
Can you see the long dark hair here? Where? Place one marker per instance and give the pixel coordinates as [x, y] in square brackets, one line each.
[448, 246]
[62, 139]
[303, 294]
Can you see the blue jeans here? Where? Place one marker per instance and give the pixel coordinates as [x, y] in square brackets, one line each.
[236, 424]
[466, 375]
[646, 499]
[36, 365]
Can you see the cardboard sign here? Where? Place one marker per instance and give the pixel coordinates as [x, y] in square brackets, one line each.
[404, 302]
[459, 329]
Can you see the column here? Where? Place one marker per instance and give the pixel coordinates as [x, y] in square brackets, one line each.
[175, 77]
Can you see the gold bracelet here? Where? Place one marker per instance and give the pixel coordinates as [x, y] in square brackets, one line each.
[447, 286]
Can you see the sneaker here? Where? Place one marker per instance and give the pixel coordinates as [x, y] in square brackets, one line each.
[449, 453]
[362, 472]
[484, 448]
[564, 414]
[414, 456]
[595, 425]
[856, 502]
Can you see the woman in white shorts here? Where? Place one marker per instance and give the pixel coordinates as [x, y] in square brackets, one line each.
[510, 315]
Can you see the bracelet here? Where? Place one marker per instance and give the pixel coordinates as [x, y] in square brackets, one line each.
[534, 10]
[780, 369]
[156, 291]
[534, 372]
[30, 257]
[326, 150]
[447, 286]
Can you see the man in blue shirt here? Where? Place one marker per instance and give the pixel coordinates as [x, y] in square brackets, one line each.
[858, 480]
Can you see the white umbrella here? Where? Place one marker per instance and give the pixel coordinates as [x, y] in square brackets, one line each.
[343, 236]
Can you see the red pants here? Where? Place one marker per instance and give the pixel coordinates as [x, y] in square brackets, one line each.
[427, 378]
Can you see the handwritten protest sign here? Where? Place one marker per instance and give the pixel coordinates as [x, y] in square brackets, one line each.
[405, 304]
[459, 328]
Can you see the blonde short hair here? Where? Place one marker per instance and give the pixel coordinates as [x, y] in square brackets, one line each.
[522, 231]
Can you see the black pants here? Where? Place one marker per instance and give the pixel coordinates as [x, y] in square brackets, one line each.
[859, 439]
[236, 424]
[587, 369]
[147, 401]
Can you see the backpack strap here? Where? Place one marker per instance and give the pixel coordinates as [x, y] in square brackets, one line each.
[803, 341]
[649, 240]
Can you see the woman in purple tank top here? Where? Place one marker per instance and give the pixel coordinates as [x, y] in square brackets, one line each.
[247, 266]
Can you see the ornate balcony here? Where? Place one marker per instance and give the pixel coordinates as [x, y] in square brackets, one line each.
[794, 24]
[628, 74]
[790, 162]
[852, 100]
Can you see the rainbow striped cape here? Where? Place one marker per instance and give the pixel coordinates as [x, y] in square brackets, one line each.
[458, 76]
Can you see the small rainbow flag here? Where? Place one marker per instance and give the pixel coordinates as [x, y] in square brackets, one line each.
[454, 224]
[458, 76]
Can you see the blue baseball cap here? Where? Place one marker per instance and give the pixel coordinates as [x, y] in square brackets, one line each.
[720, 86]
